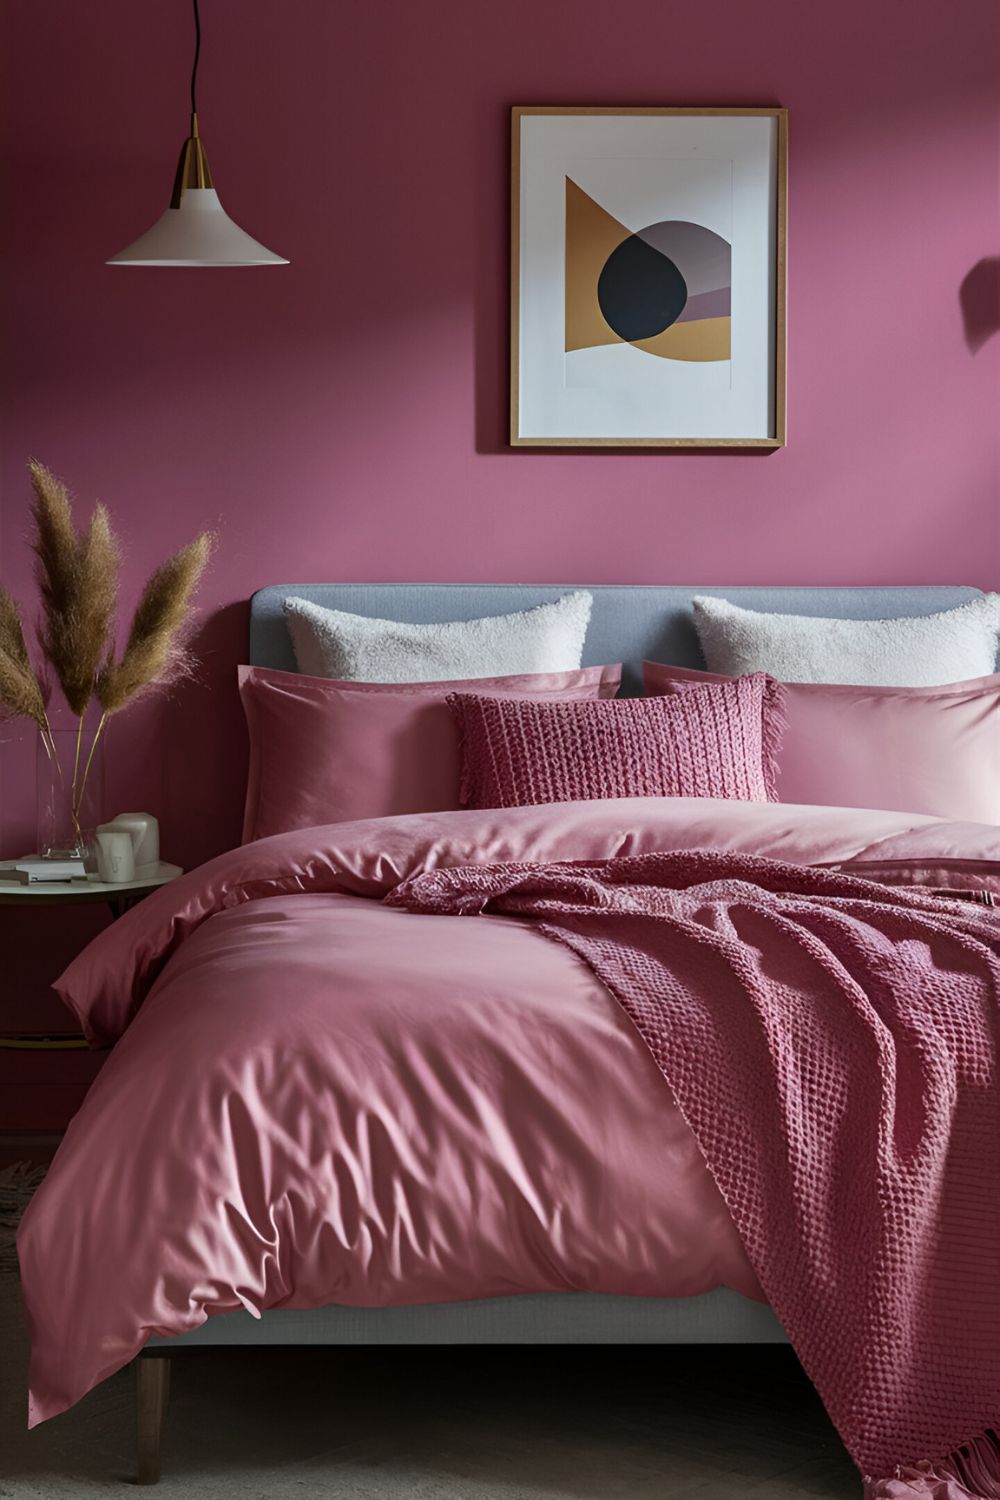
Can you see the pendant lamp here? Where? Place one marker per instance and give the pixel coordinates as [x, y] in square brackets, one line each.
[195, 230]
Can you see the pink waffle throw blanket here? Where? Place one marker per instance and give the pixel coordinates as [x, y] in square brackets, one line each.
[834, 1047]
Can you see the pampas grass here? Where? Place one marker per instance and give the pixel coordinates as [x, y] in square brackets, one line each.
[20, 692]
[78, 582]
[154, 652]
[22, 695]
[12, 631]
[78, 576]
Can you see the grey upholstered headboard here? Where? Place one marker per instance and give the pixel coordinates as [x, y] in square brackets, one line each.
[629, 621]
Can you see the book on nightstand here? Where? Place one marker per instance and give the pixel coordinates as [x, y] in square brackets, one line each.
[33, 870]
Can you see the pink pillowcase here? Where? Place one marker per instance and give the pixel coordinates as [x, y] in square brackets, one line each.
[933, 750]
[323, 751]
[709, 743]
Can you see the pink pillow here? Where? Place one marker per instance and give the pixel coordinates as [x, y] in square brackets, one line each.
[933, 750]
[326, 752]
[516, 753]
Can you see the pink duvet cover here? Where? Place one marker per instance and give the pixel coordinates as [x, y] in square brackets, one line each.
[834, 1046]
[321, 1099]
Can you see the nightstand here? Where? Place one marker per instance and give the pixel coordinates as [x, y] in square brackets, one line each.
[119, 897]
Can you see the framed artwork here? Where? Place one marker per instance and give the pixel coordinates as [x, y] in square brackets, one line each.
[648, 278]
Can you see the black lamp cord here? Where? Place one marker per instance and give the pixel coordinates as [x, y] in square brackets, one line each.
[197, 50]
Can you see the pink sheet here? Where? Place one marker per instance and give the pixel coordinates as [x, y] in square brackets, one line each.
[325, 1100]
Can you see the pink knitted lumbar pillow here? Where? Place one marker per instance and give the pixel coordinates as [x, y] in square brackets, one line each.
[716, 741]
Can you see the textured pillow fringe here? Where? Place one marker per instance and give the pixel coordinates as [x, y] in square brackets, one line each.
[465, 776]
[457, 709]
[974, 1468]
[774, 725]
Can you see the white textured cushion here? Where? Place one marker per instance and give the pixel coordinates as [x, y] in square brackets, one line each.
[354, 648]
[927, 651]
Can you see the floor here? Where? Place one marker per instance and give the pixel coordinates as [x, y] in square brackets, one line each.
[473, 1424]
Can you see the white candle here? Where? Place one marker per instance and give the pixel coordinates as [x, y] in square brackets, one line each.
[145, 834]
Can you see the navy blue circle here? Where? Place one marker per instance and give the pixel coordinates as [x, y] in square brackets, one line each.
[640, 291]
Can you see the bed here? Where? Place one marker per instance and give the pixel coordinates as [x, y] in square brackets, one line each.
[628, 624]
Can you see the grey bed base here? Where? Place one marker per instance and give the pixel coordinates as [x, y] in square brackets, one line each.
[628, 623]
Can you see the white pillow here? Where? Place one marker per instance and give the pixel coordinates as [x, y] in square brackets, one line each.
[928, 651]
[353, 648]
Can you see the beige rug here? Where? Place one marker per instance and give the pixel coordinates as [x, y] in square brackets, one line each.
[463, 1424]
[17, 1183]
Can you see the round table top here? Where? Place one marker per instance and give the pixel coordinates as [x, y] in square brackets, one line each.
[57, 892]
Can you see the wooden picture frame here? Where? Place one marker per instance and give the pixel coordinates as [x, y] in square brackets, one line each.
[728, 373]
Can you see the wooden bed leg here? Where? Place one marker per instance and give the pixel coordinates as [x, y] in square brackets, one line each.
[152, 1387]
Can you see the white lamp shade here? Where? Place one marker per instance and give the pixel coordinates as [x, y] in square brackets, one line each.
[198, 233]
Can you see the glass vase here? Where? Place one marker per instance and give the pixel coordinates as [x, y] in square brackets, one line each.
[70, 785]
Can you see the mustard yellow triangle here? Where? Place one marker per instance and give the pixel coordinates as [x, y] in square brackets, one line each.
[701, 340]
[591, 235]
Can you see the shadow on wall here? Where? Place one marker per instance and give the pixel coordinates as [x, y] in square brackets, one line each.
[204, 743]
[979, 299]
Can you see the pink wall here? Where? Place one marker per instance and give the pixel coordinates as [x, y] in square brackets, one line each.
[344, 417]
